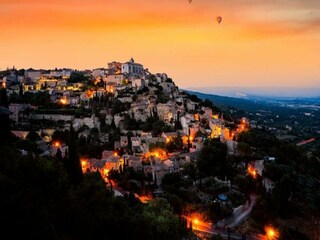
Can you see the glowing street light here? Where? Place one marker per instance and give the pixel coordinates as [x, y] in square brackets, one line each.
[144, 198]
[156, 154]
[252, 171]
[63, 101]
[57, 144]
[271, 233]
[196, 223]
[83, 163]
[105, 172]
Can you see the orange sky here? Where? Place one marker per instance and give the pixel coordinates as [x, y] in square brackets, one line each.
[258, 43]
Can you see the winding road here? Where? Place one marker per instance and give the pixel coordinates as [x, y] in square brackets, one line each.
[204, 229]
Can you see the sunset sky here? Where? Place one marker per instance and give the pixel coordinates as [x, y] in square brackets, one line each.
[259, 42]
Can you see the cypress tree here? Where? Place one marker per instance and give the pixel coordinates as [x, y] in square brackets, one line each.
[177, 124]
[66, 154]
[4, 98]
[113, 125]
[4, 124]
[73, 164]
[121, 169]
[20, 91]
[129, 147]
[59, 155]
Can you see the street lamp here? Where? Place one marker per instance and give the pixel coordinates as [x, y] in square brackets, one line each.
[196, 223]
[271, 233]
[57, 144]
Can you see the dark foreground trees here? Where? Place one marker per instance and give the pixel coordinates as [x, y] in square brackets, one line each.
[213, 159]
[38, 201]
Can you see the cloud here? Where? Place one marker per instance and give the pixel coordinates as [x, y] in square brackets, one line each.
[284, 27]
[270, 18]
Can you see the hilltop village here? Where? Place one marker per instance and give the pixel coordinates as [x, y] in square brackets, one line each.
[147, 140]
[148, 115]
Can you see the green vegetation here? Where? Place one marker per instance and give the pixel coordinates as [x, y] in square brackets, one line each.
[212, 159]
[296, 194]
[50, 197]
[39, 199]
[41, 98]
[3, 98]
[204, 103]
[175, 144]
[78, 77]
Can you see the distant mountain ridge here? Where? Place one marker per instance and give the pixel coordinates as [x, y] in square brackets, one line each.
[253, 104]
[262, 92]
[224, 101]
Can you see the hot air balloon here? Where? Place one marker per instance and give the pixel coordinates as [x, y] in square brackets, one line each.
[219, 19]
[190, 1]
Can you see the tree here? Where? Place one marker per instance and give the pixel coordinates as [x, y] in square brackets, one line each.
[73, 165]
[102, 120]
[194, 98]
[175, 143]
[190, 169]
[177, 124]
[246, 184]
[244, 149]
[283, 192]
[4, 98]
[216, 237]
[59, 154]
[177, 205]
[212, 158]
[285, 188]
[161, 221]
[20, 72]
[129, 123]
[4, 124]
[157, 128]
[33, 136]
[37, 99]
[100, 83]
[117, 106]
[77, 77]
[60, 136]
[208, 103]
[259, 139]
[38, 199]
[171, 182]
[20, 91]
[129, 135]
